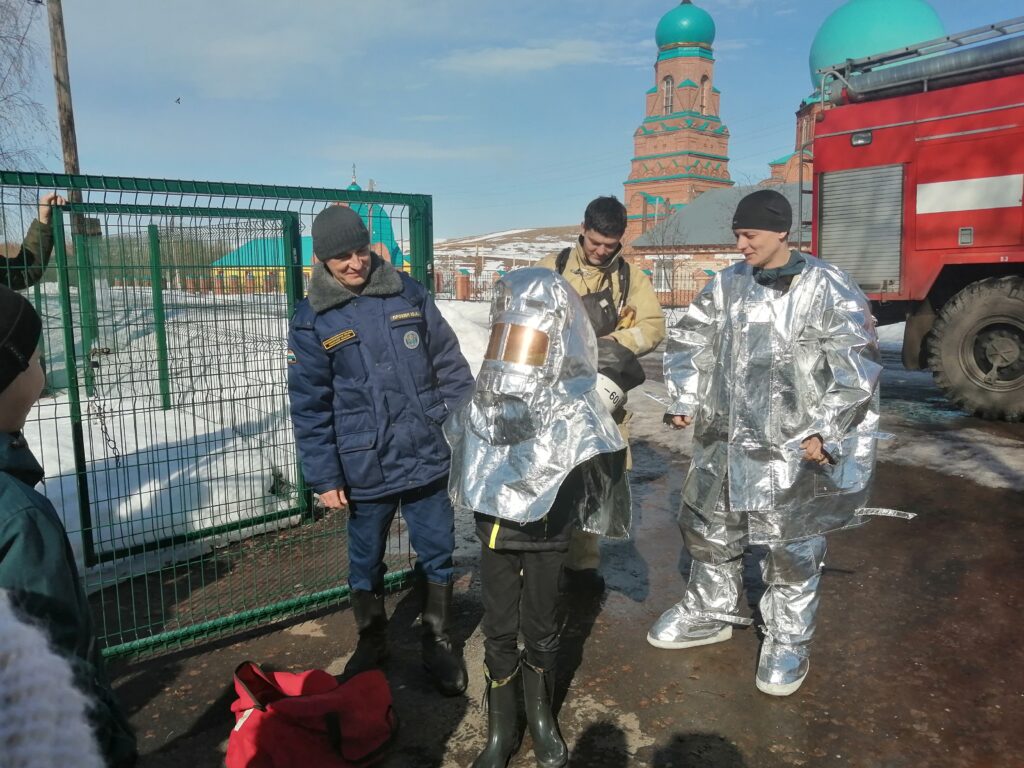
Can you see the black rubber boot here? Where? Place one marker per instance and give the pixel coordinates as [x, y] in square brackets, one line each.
[548, 745]
[503, 735]
[372, 623]
[442, 659]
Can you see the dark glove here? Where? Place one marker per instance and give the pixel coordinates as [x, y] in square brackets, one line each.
[619, 364]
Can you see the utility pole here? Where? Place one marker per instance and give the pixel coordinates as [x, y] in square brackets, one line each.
[65, 113]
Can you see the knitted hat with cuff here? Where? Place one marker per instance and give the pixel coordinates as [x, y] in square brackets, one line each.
[338, 230]
[20, 329]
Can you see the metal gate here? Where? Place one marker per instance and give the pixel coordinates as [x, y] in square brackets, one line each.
[164, 430]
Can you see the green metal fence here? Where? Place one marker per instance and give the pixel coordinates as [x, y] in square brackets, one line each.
[164, 430]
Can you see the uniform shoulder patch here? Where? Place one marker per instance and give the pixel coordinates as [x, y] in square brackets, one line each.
[339, 338]
[292, 360]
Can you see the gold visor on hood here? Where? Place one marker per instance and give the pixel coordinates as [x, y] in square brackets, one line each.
[517, 344]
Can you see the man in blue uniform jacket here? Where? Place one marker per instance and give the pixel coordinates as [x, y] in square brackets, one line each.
[374, 371]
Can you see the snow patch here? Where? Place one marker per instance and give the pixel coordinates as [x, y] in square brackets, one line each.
[471, 322]
[973, 454]
[494, 236]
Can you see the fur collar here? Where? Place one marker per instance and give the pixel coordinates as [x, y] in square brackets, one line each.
[325, 292]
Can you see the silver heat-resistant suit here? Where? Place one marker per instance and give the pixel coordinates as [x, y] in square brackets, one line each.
[535, 415]
[534, 453]
[759, 371]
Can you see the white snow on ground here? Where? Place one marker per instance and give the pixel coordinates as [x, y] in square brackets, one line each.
[515, 247]
[220, 455]
[470, 321]
[493, 236]
[176, 473]
[973, 454]
[891, 336]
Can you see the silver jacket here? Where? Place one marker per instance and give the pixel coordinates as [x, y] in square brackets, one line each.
[760, 371]
[534, 415]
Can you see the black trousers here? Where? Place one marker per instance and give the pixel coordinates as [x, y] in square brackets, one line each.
[520, 594]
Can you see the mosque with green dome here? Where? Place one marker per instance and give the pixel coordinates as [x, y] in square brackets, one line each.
[865, 27]
[258, 265]
[856, 29]
[681, 147]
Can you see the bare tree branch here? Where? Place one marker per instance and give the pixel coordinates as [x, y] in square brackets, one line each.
[25, 134]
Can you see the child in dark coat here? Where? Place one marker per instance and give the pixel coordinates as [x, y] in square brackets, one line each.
[37, 566]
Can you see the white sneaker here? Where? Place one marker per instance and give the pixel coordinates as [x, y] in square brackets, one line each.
[782, 668]
[679, 629]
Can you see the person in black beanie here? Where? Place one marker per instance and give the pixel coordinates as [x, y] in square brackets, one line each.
[373, 372]
[776, 365]
[762, 223]
[37, 565]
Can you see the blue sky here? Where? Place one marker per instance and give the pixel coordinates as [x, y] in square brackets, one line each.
[510, 114]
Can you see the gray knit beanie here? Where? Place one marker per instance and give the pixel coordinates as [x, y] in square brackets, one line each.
[338, 230]
[44, 722]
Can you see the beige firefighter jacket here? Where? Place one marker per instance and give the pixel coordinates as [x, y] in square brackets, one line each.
[647, 328]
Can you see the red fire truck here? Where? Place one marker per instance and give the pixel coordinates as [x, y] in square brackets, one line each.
[918, 182]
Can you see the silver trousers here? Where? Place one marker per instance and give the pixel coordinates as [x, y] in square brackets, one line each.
[791, 571]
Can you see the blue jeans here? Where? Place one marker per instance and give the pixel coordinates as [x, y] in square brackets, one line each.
[428, 514]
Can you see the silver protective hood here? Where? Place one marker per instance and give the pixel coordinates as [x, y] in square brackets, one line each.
[535, 415]
[761, 371]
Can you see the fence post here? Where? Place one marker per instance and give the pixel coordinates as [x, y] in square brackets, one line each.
[74, 401]
[421, 241]
[293, 266]
[86, 303]
[159, 317]
[292, 237]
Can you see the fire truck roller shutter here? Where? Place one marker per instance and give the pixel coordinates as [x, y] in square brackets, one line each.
[862, 224]
[976, 348]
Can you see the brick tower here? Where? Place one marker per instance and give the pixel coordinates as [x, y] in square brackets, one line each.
[681, 148]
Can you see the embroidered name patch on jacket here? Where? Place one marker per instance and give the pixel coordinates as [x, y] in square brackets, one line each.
[339, 338]
[410, 315]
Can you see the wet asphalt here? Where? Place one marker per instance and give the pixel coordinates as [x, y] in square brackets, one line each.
[916, 661]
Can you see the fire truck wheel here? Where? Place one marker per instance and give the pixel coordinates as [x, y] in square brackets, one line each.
[976, 348]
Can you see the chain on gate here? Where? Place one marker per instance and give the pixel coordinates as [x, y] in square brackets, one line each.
[96, 407]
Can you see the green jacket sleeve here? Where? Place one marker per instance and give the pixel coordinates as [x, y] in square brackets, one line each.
[27, 268]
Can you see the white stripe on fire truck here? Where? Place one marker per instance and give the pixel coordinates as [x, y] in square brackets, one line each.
[971, 194]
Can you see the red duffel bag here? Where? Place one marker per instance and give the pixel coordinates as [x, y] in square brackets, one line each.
[309, 720]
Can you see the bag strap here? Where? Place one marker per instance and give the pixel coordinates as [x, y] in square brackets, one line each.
[623, 281]
[251, 678]
[562, 259]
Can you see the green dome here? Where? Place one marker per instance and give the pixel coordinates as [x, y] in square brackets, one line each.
[866, 27]
[686, 23]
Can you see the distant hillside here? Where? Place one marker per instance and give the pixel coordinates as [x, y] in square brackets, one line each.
[502, 250]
